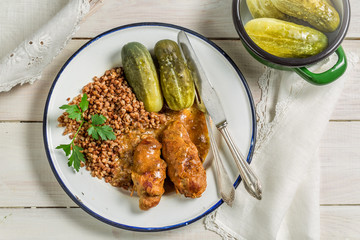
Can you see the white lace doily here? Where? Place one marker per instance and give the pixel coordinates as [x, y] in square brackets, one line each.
[26, 62]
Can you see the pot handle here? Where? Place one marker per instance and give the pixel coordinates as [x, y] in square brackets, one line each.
[328, 76]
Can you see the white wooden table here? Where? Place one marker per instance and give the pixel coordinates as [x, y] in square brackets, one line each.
[34, 206]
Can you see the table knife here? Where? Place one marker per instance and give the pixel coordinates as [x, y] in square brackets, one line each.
[224, 185]
[210, 100]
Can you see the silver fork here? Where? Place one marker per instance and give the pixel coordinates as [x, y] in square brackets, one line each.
[225, 186]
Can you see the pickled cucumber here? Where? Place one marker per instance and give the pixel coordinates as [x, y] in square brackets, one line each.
[286, 39]
[318, 13]
[141, 75]
[175, 78]
[264, 8]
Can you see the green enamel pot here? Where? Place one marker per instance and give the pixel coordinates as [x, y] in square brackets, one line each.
[241, 16]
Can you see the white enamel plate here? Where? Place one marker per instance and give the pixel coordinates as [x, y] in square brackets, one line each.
[115, 206]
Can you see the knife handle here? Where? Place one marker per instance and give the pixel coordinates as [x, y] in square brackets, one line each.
[251, 182]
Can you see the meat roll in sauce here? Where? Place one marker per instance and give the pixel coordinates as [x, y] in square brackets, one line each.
[185, 168]
[148, 173]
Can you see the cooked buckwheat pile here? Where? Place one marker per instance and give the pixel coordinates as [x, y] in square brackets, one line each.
[111, 96]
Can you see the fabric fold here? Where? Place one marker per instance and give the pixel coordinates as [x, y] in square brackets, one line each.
[293, 115]
[26, 63]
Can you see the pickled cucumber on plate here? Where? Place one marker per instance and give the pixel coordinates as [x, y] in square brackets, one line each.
[175, 78]
[141, 75]
[318, 13]
[286, 39]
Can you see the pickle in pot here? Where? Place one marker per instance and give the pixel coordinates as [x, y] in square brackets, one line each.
[264, 8]
[318, 13]
[175, 78]
[286, 39]
[141, 75]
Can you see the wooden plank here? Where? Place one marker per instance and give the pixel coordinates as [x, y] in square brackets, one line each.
[74, 223]
[26, 177]
[340, 165]
[340, 222]
[348, 104]
[26, 103]
[26, 170]
[210, 18]
[337, 222]
[354, 29]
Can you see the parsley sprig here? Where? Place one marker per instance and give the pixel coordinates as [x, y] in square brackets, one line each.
[96, 129]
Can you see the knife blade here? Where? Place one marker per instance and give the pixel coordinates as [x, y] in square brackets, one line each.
[225, 186]
[211, 101]
[208, 95]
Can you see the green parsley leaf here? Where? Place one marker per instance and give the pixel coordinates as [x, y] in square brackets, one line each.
[105, 132]
[73, 110]
[84, 104]
[92, 131]
[98, 119]
[76, 157]
[66, 148]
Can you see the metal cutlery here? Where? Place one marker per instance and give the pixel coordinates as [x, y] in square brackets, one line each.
[211, 102]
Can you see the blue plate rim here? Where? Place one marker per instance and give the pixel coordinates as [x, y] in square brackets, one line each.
[74, 198]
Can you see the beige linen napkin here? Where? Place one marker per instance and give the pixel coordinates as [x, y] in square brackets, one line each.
[293, 115]
[33, 32]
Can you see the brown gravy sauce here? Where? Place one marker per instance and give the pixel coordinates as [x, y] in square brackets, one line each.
[195, 124]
